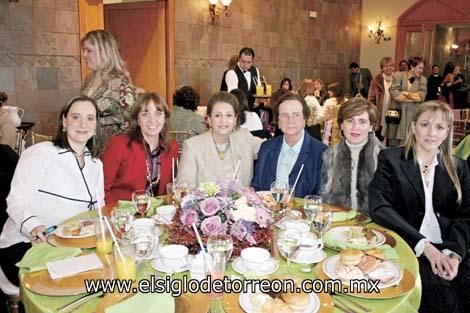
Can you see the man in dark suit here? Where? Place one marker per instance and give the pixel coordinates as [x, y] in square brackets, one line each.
[359, 80]
[281, 158]
[245, 76]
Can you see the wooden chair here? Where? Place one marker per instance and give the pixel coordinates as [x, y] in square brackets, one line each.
[37, 138]
[180, 136]
[461, 125]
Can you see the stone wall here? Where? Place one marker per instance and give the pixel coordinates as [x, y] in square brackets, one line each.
[286, 41]
[39, 57]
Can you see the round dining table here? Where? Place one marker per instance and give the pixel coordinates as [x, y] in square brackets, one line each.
[198, 303]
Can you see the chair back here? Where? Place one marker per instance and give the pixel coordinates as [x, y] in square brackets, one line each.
[180, 137]
[37, 138]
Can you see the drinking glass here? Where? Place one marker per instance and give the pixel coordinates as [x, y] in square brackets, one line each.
[142, 201]
[180, 190]
[144, 241]
[279, 191]
[104, 242]
[220, 249]
[169, 193]
[288, 241]
[312, 203]
[122, 221]
[321, 221]
[125, 263]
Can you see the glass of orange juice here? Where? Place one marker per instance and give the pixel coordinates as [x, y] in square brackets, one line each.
[125, 263]
[104, 242]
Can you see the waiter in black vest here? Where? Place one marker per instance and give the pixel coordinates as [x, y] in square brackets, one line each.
[245, 76]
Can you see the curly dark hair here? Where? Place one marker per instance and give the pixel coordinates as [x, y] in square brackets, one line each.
[3, 98]
[186, 97]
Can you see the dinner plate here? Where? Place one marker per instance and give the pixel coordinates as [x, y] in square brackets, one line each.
[86, 232]
[339, 233]
[82, 243]
[271, 267]
[330, 266]
[248, 306]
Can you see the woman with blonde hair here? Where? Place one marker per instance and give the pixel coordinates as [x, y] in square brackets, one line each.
[108, 83]
[422, 192]
[142, 158]
[307, 91]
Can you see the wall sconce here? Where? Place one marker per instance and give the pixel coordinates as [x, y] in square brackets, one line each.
[454, 48]
[378, 33]
[215, 9]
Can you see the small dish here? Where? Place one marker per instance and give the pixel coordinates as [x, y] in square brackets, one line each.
[270, 267]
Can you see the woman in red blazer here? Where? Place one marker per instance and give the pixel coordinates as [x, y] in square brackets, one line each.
[142, 158]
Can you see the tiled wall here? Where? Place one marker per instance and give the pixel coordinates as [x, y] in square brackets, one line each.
[286, 41]
[39, 57]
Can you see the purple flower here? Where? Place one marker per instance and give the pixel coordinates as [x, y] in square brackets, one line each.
[253, 199]
[250, 239]
[209, 206]
[262, 217]
[212, 226]
[189, 217]
[249, 226]
[239, 230]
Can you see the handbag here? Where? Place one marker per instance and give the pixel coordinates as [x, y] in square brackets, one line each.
[393, 116]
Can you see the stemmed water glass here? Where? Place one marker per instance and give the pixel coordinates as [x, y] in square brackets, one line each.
[180, 190]
[220, 249]
[142, 201]
[312, 203]
[144, 240]
[321, 221]
[279, 191]
[122, 221]
[288, 241]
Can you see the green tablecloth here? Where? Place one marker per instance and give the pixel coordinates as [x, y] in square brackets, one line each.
[409, 303]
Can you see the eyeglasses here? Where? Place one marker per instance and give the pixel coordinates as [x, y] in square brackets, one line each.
[294, 116]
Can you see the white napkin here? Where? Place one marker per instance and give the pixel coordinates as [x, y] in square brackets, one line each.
[73, 266]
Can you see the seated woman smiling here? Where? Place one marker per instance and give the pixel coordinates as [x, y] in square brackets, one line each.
[422, 192]
[142, 158]
[348, 167]
[53, 181]
[215, 154]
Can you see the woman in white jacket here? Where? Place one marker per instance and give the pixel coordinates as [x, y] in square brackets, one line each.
[53, 181]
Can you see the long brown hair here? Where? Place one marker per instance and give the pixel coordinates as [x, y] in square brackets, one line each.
[142, 102]
[447, 159]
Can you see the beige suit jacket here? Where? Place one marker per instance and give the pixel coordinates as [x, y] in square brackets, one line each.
[201, 163]
[7, 129]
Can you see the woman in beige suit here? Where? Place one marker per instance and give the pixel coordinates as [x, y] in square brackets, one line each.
[215, 154]
[408, 91]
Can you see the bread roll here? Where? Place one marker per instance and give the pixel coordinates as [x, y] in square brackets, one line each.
[350, 257]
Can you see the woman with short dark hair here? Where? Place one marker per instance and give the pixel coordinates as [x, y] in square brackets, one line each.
[53, 181]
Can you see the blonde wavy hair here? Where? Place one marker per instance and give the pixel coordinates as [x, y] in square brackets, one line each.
[449, 162]
[109, 59]
[307, 88]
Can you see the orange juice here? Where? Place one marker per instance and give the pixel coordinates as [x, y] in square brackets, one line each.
[269, 90]
[259, 90]
[126, 268]
[104, 245]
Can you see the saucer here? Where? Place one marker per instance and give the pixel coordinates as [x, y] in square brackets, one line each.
[271, 267]
[158, 265]
[309, 257]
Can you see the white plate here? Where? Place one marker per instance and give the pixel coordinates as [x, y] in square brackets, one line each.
[329, 267]
[340, 233]
[157, 264]
[91, 230]
[249, 307]
[271, 267]
[309, 257]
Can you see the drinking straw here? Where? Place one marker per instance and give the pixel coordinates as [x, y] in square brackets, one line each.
[172, 170]
[295, 184]
[114, 240]
[236, 170]
[100, 215]
[203, 251]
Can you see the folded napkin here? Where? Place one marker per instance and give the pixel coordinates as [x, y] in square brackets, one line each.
[329, 241]
[344, 216]
[38, 255]
[73, 266]
[128, 205]
[145, 303]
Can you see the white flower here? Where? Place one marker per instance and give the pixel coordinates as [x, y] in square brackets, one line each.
[241, 201]
[244, 212]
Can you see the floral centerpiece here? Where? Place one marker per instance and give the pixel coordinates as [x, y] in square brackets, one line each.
[222, 208]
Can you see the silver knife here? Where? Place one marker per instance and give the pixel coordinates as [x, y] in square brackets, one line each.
[78, 302]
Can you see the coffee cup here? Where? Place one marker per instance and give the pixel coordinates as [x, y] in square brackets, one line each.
[310, 243]
[255, 259]
[165, 214]
[174, 257]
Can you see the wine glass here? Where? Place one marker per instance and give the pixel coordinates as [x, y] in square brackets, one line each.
[142, 201]
[321, 221]
[278, 191]
[144, 240]
[312, 203]
[288, 241]
[122, 221]
[180, 190]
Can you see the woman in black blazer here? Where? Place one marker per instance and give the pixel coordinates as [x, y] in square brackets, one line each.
[422, 192]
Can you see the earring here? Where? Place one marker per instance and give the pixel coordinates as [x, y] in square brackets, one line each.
[64, 129]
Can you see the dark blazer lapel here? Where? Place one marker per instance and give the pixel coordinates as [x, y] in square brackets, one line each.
[442, 185]
[303, 156]
[274, 153]
[411, 171]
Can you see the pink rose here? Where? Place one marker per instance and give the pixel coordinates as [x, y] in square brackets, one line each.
[262, 217]
[212, 226]
[189, 217]
[209, 206]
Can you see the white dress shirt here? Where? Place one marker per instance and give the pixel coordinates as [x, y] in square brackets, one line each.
[252, 121]
[231, 78]
[49, 187]
[287, 158]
